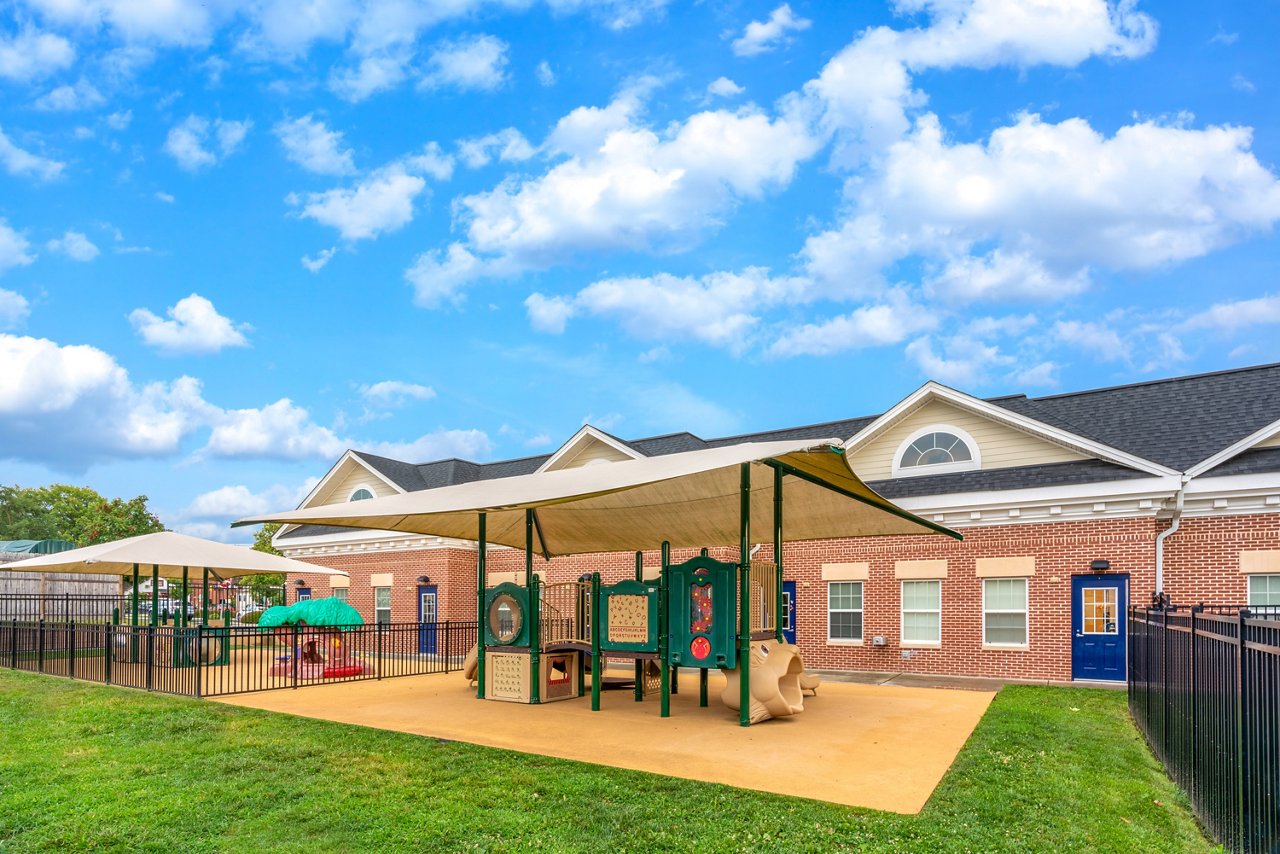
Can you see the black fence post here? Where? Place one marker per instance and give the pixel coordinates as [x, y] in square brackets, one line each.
[108, 647]
[13, 645]
[377, 658]
[1164, 680]
[151, 654]
[1242, 696]
[297, 654]
[200, 658]
[71, 641]
[1192, 690]
[40, 648]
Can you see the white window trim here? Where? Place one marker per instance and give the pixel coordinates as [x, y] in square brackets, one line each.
[1248, 590]
[902, 616]
[351, 495]
[1026, 610]
[940, 468]
[376, 609]
[863, 611]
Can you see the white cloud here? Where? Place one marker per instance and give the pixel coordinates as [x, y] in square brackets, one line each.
[615, 14]
[120, 119]
[373, 73]
[210, 514]
[1054, 199]
[162, 196]
[18, 161]
[1235, 315]
[873, 325]
[1043, 375]
[280, 430]
[14, 309]
[764, 36]
[546, 76]
[549, 314]
[196, 143]
[395, 392]
[323, 257]
[1243, 84]
[64, 99]
[13, 249]
[75, 246]
[964, 361]
[310, 144]
[380, 203]
[31, 55]
[176, 23]
[194, 327]
[431, 160]
[440, 276]
[509, 145]
[467, 64]
[723, 87]
[440, 444]
[69, 406]
[619, 186]
[1096, 339]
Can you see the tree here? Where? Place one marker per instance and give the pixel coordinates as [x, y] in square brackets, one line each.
[266, 586]
[75, 513]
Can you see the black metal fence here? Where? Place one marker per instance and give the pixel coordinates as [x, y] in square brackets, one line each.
[168, 605]
[1204, 689]
[210, 661]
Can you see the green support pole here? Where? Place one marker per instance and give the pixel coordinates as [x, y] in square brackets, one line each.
[777, 554]
[535, 614]
[639, 664]
[702, 687]
[204, 600]
[133, 634]
[155, 594]
[480, 569]
[744, 595]
[596, 670]
[664, 631]
[182, 609]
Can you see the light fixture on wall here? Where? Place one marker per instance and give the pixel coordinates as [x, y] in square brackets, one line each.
[424, 579]
[300, 583]
[1100, 565]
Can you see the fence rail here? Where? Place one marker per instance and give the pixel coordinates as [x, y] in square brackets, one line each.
[211, 661]
[1204, 689]
[103, 608]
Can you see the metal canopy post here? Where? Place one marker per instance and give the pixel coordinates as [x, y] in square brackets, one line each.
[597, 672]
[664, 631]
[777, 554]
[133, 635]
[204, 599]
[535, 613]
[480, 583]
[639, 664]
[155, 593]
[744, 596]
[182, 609]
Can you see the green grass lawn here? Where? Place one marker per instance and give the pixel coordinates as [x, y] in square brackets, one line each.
[84, 766]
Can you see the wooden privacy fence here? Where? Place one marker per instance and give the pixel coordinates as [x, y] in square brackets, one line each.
[1204, 689]
[211, 661]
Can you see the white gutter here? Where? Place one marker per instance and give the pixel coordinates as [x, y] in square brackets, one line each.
[1168, 532]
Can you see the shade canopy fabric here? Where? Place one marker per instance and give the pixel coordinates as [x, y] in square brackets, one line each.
[171, 552]
[690, 499]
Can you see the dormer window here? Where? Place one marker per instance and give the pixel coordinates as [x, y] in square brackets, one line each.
[360, 494]
[936, 449]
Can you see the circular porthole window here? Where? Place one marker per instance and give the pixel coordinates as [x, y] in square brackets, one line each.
[505, 618]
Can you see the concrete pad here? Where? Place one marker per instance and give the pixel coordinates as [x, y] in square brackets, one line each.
[882, 747]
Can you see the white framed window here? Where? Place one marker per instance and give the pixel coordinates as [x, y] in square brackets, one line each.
[844, 610]
[339, 593]
[1264, 590]
[1004, 611]
[936, 449]
[382, 605]
[922, 612]
[362, 493]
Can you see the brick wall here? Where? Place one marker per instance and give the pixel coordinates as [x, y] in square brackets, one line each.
[1201, 562]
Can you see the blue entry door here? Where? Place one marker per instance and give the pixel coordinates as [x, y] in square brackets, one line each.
[789, 611]
[427, 617]
[1099, 609]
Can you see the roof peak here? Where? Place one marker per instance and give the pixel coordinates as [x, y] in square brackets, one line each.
[1161, 381]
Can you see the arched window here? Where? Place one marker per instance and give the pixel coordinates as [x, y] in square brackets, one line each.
[360, 494]
[935, 450]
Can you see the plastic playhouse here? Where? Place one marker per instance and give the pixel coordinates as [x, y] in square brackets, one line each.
[314, 628]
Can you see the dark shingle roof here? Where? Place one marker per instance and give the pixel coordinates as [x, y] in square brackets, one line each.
[1175, 422]
[1257, 461]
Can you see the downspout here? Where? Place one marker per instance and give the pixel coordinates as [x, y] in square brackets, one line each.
[1168, 532]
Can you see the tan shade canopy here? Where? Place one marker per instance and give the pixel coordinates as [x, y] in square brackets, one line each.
[689, 499]
[171, 552]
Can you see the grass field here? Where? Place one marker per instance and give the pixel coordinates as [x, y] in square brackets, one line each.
[83, 766]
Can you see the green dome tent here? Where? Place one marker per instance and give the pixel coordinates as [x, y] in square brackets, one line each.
[312, 612]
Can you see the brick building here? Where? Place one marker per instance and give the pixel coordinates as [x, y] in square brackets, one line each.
[1071, 506]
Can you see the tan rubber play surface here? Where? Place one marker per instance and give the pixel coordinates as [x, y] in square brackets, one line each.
[882, 747]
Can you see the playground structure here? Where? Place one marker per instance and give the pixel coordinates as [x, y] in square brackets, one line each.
[315, 630]
[702, 613]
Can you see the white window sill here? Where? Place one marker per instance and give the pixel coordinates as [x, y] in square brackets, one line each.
[920, 645]
[1014, 647]
[843, 642]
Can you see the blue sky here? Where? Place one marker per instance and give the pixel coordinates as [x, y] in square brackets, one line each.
[237, 238]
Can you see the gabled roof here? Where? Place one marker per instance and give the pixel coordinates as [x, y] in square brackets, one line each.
[1134, 430]
[589, 435]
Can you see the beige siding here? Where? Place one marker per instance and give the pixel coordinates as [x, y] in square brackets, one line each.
[1000, 446]
[1273, 442]
[352, 477]
[587, 452]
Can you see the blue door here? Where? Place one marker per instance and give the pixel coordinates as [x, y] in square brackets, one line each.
[427, 616]
[1099, 608]
[789, 611]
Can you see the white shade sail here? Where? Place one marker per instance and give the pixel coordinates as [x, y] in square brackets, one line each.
[171, 552]
[690, 499]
